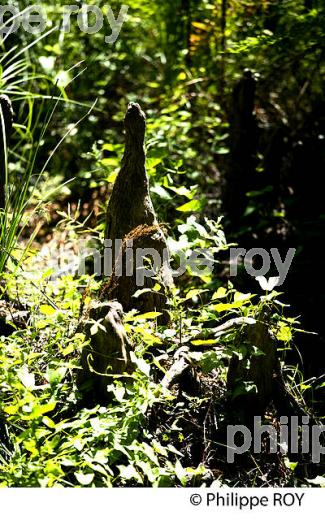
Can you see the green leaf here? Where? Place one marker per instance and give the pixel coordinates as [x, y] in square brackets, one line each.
[53, 468]
[140, 292]
[129, 472]
[221, 293]
[317, 481]
[183, 191]
[204, 342]
[26, 377]
[141, 364]
[147, 316]
[152, 162]
[284, 334]
[47, 310]
[291, 465]
[210, 361]
[39, 410]
[191, 206]
[48, 422]
[222, 150]
[55, 376]
[11, 409]
[239, 297]
[119, 393]
[112, 176]
[161, 192]
[221, 307]
[193, 293]
[180, 473]
[84, 478]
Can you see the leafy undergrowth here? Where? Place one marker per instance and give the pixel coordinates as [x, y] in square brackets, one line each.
[150, 434]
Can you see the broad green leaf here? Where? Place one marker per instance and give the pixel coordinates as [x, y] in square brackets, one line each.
[119, 393]
[220, 293]
[53, 468]
[11, 409]
[141, 364]
[317, 481]
[147, 316]
[112, 176]
[221, 307]
[183, 191]
[39, 410]
[84, 478]
[161, 192]
[284, 334]
[47, 310]
[192, 205]
[55, 376]
[209, 361]
[48, 422]
[26, 377]
[129, 472]
[181, 473]
[193, 293]
[238, 297]
[152, 162]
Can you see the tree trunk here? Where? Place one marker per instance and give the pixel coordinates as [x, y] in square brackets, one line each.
[6, 119]
[224, 7]
[241, 171]
[186, 10]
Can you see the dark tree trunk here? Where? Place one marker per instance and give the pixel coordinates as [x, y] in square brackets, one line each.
[186, 9]
[224, 7]
[6, 119]
[308, 4]
[241, 171]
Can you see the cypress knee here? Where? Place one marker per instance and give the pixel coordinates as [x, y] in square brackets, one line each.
[130, 205]
[131, 218]
[107, 354]
[263, 371]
